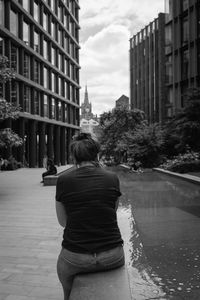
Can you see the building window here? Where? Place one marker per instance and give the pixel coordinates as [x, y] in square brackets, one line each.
[36, 71]
[53, 6]
[1, 46]
[185, 30]
[60, 16]
[59, 111]
[53, 56]
[66, 113]
[45, 21]
[53, 108]
[25, 4]
[72, 49]
[36, 103]
[60, 61]
[45, 49]
[53, 82]
[14, 92]
[45, 83]
[26, 66]
[53, 30]
[46, 106]
[14, 58]
[60, 37]
[26, 33]
[71, 92]
[13, 22]
[66, 90]
[66, 67]
[71, 71]
[36, 42]
[1, 13]
[36, 11]
[60, 86]
[185, 4]
[185, 64]
[198, 20]
[27, 99]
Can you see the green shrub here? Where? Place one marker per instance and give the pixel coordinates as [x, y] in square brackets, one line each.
[183, 163]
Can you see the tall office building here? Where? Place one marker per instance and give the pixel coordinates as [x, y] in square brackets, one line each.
[147, 70]
[182, 33]
[41, 40]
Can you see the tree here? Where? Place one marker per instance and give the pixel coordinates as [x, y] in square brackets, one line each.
[114, 124]
[183, 130]
[145, 144]
[8, 138]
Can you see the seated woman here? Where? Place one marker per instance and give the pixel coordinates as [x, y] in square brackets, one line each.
[51, 169]
[86, 204]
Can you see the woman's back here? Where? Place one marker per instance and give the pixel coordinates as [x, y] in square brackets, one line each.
[89, 195]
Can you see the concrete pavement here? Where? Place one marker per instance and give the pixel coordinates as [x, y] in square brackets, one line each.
[30, 237]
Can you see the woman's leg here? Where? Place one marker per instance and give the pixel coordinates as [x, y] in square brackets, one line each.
[65, 275]
[69, 264]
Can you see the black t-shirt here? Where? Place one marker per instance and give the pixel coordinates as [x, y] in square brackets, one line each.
[89, 195]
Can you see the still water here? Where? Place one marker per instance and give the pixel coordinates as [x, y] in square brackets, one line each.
[160, 217]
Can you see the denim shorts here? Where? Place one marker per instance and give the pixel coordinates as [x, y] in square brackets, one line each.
[70, 263]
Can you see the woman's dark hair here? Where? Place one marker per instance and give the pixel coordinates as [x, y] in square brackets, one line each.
[84, 148]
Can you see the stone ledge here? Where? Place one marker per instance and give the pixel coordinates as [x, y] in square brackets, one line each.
[109, 285]
[187, 177]
[52, 179]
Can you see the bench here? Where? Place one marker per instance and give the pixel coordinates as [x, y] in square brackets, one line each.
[52, 179]
[109, 285]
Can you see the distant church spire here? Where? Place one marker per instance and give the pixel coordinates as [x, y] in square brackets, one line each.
[86, 107]
[86, 98]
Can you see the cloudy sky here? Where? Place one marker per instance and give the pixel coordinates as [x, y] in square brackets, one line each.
[106, 28]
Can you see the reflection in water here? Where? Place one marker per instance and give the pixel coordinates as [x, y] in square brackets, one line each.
[160, 219]
[143, 282]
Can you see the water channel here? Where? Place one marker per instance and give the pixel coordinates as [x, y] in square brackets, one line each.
[162, 240]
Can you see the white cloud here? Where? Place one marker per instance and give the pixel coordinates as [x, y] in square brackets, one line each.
[106, 28]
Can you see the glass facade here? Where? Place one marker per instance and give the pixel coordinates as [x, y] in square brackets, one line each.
[36, 102]
[46, 106]
[53, 82]
[26, 33]
[27, 98]
[1, 46]
[185, 30]
[36, 71]
[45, 49]
[1, 12]
[36, 42]
[185, 64]
[26, 66]
[13, 22]
[26, 4]
[14, 58]
[14, 92]
[59, 111]
[45, 21]
[36, 11]
[53, 108]
[45, 74]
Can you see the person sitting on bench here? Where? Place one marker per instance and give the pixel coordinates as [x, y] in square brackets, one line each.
[51, 169]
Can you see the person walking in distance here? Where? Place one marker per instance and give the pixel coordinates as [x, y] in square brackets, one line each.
[86, 204]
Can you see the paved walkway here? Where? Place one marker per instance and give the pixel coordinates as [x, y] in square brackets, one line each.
[29, 237]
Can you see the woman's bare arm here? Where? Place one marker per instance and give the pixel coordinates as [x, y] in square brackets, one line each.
[61, 214]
